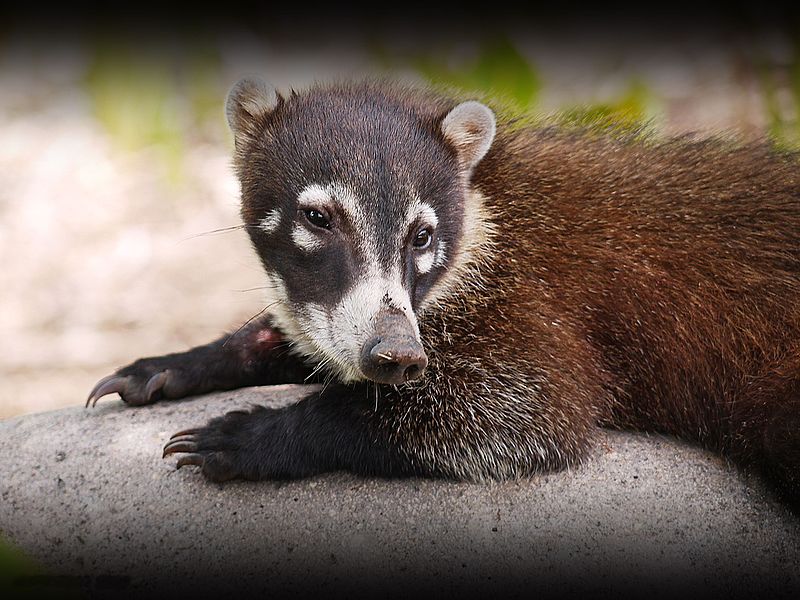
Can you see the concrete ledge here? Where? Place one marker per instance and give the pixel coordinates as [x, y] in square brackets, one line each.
[86, 493]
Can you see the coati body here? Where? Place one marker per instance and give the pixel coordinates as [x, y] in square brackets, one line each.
[479, 298]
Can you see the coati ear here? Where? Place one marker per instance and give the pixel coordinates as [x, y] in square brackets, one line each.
[470, 127]
[248, 101]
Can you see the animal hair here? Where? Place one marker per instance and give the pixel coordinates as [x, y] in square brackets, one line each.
[583, 276]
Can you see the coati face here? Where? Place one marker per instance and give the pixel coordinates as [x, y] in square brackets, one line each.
[356, 200]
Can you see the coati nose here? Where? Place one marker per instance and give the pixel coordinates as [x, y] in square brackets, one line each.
[393, 354]
[395, 360]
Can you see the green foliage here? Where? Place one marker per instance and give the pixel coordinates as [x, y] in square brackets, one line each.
[21, 578]
[163, 99]
[146, 98]
[15, 568]
[780, 85]
[13, 564]
[502, 76]
[629, 114]
[499, 70]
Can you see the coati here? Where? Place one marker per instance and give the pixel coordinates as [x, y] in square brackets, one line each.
[478, 295]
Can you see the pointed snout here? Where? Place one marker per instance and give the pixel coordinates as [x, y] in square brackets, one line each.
[393, 354]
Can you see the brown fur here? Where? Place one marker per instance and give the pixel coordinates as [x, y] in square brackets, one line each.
[594, 279]
[638, 284]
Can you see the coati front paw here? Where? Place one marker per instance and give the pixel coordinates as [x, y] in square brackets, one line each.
[218, 448]
[142, 382]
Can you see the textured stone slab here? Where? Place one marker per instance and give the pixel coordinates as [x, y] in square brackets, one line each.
[86, 493]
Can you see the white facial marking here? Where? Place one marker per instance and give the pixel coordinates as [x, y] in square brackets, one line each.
[327, 197]
[424, 262]
[334, 337]
[319, 196]
[305, 239]
[423, 214]
[270, 222]
[301, 332]
[314, 196]
[347, 200]
[364, 236]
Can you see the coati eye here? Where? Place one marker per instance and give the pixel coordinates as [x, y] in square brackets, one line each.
[423, 239]
[317, 218]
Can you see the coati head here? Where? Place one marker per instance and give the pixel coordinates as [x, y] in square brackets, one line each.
[358, 203]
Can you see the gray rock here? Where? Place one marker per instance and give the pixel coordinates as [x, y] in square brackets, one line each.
[87, 494]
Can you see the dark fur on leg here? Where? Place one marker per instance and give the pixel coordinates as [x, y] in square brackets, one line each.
[326, 431]
[255, 355]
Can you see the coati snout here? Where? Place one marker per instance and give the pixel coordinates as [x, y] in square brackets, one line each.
[393, 354]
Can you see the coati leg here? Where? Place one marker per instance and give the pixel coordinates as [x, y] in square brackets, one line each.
[257, 354]
[493, 425]
[325, 431]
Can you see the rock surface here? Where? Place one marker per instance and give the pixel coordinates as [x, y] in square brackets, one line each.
[86, 494]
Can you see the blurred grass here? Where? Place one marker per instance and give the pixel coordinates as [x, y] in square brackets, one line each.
[500, 74]
[162, 99]
[21, 578]
[13, 564]
[780, 85]
[633, 111]
[146, 98]
[499, 69]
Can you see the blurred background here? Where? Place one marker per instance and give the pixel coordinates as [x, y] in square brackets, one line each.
[116, 186]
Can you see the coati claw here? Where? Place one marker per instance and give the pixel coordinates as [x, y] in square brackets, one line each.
[184, 441]
[219, 460]
[185, 432]
[107, 385]
[180, 438]
[138, 385]
[179, 445]
[190, 459]
[154, 384]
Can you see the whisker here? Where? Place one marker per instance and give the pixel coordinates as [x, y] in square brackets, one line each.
[287, 347]
[215, 231]
[250, 320]
[328, 379]
[221, 230]
[324, 362]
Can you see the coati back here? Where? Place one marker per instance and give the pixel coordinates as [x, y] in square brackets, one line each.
[478, 297]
